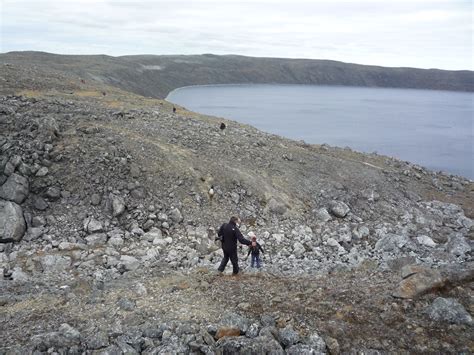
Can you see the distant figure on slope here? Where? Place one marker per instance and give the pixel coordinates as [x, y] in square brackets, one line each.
[174, 109]
[229, 233]
[222, 127]
[211, 193]
[255, 248]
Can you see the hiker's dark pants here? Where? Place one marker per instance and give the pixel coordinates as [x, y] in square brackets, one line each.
[232, 255]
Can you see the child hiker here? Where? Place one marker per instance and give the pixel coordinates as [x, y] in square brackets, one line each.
[255, 248]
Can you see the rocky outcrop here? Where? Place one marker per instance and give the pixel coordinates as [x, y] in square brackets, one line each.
[15, 189]
[12, 223]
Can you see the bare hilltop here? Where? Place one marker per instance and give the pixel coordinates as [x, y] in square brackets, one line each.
[104, 191]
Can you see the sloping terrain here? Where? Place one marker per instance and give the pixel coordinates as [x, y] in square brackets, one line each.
[156, 76]
[106, 195]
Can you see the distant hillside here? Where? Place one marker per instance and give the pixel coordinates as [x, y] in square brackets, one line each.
[156, 76]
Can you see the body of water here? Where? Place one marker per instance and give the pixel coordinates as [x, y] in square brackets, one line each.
[427, 127]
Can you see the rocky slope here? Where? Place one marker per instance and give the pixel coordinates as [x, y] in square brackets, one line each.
[156, 76]
[106, 195]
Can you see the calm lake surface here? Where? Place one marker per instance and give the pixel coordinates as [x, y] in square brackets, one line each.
[427, 127]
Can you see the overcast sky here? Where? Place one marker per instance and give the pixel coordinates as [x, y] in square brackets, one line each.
[415, 33]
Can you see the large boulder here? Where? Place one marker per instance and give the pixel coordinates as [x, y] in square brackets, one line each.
[418, 280]
[12, 223]
[457, 245]
[288, 336]
[235, 320]
[449, 310]
[55, 263]
[65, 337]
[15, 189]
[391, 243]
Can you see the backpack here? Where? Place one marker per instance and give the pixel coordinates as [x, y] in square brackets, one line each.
[220, 236]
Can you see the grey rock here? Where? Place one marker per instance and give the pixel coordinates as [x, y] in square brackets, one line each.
[302, 349]
[138, 193]
[65, 337]
[449, 310]
[288, 336]
[48, 129]
[162, 217]
[231, 319]
[457, 245]
[34, 233]
[19, 275]
[391, 242]
[15, 189]
[98, 340]
[43, 171]
[96, 239]
[92, 225]
[267, 320]
[12, 222]
[40, 203]
[275, 207]
[53, 193]
[126, 304]
[339, 209]
[148, 224]
[118, 205]
[235, 197]
[322, 215]
[316, 342]
[243, 345]
[129, 263]
[298, 249]
[55, 263]
[176, 216]
[38, 221]
[95, 199]
[110, 350]
[152, 234]
[253, 331]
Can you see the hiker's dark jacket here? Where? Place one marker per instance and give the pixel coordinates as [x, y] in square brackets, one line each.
[255, 250]
[230, 234]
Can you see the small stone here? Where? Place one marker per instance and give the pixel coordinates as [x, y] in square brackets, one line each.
[91, 225]
[425, 240]
[339, 209]
[118, 205]
[43, 171]
[53, 193]
[95, 199]
[97, 239]
[38, 221]
[40, 203]
[126, 304]
[176, 216]
[129, 263]
[322, 215]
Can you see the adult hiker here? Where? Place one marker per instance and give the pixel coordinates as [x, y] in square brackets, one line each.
[229, 233]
